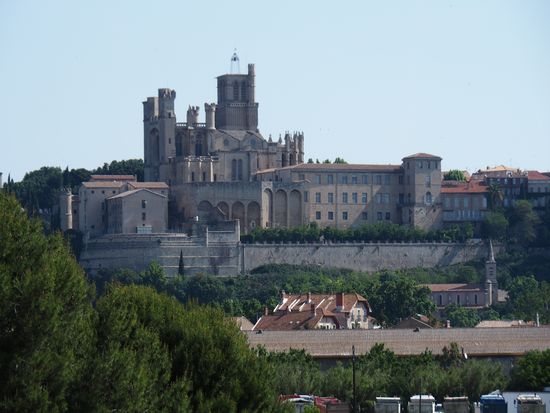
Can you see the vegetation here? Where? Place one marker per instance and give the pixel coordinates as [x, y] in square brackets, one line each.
[532, 371]
[131, 350]
[455, 175]
[385, 231]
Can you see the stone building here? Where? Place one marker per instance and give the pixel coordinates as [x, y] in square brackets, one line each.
[224, 168]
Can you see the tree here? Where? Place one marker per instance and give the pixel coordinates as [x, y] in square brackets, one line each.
[461, 316]
[340, 160]
[46, 317]
[495, 226]
[496, 196]
[180, 265]
[125, 167]
[454, 175]
[526, 298]
[523, 221]
[310, 160]
[532, 371]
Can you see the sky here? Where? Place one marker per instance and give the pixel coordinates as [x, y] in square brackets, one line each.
[368, 81]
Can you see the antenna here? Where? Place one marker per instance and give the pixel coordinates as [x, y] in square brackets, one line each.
[235, 65]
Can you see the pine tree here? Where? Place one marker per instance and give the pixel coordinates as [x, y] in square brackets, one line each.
[180, 265]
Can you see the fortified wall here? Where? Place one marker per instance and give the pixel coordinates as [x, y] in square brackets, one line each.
[221, 253]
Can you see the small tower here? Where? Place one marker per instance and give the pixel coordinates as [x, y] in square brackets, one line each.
[491, 283]
[235, 68]
[66, 210]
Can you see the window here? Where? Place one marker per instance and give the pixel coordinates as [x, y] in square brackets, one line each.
[317, 179]
[345, 197]
[409, 198]
[378, 179]
[364, 216]
[428, 198]
[344, 179]
[387, 179]
[114, 192]
[365, 179]
[466, 202]
[440, 300]
[317, 197]
[388, 216]
[400, 179]
[143, 216]
[330, 215]
[447, 202]
[386, 198]
[379, 216]
[458, 300]
[420, 164]
[345, 215]
[102, 192]
[354, 197]
[363, 197]
[93, 192]
[378, 198]
[330, 179]
[330, 198]
[240, 170]
[401, 199]
[408, 165]
[317, 214]
[301, 177]
[428, 163]
[475, 299]
[408, 179]
[204, 176]
[143, 203]
[354, 180]
[192, 176]
[234, 170]
[306, 196]
[428, 180]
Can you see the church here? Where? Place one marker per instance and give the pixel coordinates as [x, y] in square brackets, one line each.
[224, 169]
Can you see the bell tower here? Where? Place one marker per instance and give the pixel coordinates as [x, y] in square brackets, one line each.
[236, 108]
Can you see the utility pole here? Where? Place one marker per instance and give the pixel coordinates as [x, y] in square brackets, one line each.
[353, 370]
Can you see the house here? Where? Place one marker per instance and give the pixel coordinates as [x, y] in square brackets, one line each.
[318, 311]
[414, 322]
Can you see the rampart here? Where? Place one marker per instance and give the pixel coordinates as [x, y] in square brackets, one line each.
[220, 253]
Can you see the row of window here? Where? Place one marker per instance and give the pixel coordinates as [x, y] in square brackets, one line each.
[349, 179]
[380, 198]
[424, 164]
[380, 216]
[456, 202]
[440, 300]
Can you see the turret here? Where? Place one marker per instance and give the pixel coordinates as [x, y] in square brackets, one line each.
[192, 115]
[150, 109]
[251, 82]
[66, 210]
[210, 115]
[166, 103]
[491, 283]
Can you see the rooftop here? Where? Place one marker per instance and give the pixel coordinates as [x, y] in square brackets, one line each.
[122, 178]
[337, 343]
[454, 187]
[437, 288]
[335, 167]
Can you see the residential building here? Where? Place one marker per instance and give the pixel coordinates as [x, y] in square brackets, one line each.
[318, 311]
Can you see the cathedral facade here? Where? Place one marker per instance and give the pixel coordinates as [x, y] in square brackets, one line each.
[223, 168]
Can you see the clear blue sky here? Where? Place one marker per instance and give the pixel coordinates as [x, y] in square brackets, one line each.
[368, 81]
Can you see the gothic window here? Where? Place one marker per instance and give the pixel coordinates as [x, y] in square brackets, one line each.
[441, 300]
[283, 160]
[235, 90]
[243, 91]
[234, 170]
[198, 149]
[240, 170]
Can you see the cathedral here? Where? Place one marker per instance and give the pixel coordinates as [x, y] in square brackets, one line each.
[224, 169]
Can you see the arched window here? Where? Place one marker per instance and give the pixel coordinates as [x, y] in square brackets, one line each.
[240, 170]
[234, 170]
[235, 90]
[283, 160]
[243, 91]
[198, 149]
[440, 300]
[428, 198]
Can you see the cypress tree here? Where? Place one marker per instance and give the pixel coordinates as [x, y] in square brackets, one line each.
[180, 265]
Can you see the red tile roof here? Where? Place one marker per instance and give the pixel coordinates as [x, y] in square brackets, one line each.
[326, 302]
[422, 155]
[335, 167]
[453, 187]
[148, 185]
[440, 288]
[120, 178]
[537, 176]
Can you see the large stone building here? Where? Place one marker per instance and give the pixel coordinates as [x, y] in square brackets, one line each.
[225, 169]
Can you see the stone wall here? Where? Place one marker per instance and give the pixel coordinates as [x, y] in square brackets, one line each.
[218, 253]
[363, 257]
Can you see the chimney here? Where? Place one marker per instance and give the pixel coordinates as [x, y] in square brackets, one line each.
[448, 324]
[309, 297]
[266, 310]
[339, 301]
[313, 310]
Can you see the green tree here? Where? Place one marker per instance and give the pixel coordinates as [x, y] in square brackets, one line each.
[496, 196]
[454, 175]
[125, 167]
[181, 268]
[495, 226]
[45, 316]
[462, 316]
[527, 297]
[523, 222]
[532, 371]
[340, 160]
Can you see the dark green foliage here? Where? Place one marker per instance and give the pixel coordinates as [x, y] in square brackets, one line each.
[181, 267]
[523, 223]
[45, 315]
[126, 167]
[495, 226]
[385, 231]
[461, 316]
[532, 371]
[454, 175]
[528, 297]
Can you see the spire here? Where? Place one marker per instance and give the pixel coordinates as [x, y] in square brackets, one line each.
[235, 65]
[491, 253]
